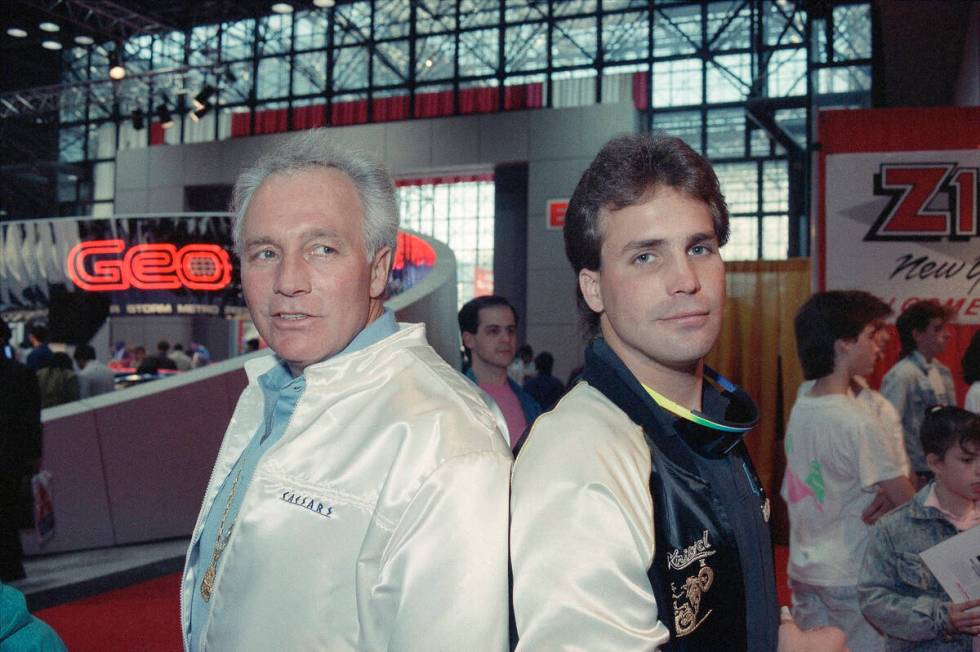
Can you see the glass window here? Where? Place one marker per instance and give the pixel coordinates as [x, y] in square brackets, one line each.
[852, 32]
[729, 25]
[391, 63]
[204, 44]
[237, 83]
[677, 83]
[478, 13]
[743, 244]
[525, 47]
[843, 79]
[775, 237]
[729, 77]
[686, 125]
[350, 68]
[168, 50]
[435, 16]
[459, 213]
[786, 73]
[352, 23]
[521, 10]
[775, 187]
[310, 30]
[478, 52]
[726, 133]
[625, 36]
[309, 73]
[783, 23]
[739, 182]
[237, 39]
[275, 32]
[676, 30]
[71, 144]
[273, 78]
[573, 7]
[573, 42]
[391, 20]
[434, 57]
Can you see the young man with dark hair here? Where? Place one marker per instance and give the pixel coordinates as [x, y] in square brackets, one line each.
[41, 353]
[835, 462]
[488, 325]
[918, 379]
[637, 517]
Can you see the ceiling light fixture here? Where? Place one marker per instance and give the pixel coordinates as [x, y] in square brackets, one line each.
[116, 69]
[166, 120]
[16, 32]
[323, 4]
[82, 39]
[51, 45]
[282, 8]
[49, 27]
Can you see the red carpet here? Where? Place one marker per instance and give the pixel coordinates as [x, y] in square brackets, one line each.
[146, 616]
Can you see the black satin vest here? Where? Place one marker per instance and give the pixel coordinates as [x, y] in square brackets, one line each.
[696, 573]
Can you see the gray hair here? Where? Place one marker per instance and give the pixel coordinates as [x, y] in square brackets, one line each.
[317, 149]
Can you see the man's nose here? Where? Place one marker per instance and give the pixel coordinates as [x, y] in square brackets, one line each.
[682, 276]
[293, 276]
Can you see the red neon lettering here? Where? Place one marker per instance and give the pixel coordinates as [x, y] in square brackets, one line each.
[149, 266]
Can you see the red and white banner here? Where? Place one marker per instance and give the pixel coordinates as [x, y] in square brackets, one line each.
[898, 213]
[900, 210]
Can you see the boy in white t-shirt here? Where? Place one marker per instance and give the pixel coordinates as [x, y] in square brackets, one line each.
[835, 463]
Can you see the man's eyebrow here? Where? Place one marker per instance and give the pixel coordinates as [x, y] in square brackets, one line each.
[308, 234]
[657, 243]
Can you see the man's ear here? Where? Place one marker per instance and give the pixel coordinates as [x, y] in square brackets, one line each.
[380, 266]
[588, 283]
[468, 340]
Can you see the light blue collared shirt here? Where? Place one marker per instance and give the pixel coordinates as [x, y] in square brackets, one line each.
[281, 392]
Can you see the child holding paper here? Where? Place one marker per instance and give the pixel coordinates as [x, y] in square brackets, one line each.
[898, 593]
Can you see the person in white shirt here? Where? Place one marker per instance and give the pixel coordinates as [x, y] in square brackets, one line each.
[94, 377]
[834, 463]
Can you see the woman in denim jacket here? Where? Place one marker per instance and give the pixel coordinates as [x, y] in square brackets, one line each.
[898, 593]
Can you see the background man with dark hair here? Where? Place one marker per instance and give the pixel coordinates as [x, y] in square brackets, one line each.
[836, 460]
[542, 386]
[41, 353]
[20, 452]
[637, 517]
[918, 380]
[488, 326]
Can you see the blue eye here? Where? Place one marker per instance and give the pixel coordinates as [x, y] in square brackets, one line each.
[323, 250]
[264, 254]
[643, 259]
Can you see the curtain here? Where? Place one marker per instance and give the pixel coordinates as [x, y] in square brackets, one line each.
[757, 350]
[577, 91]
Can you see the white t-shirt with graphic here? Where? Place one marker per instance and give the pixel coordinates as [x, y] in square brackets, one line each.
[833, 463]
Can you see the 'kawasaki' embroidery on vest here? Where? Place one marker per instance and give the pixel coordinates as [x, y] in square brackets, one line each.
[687, 600]
[308, 502]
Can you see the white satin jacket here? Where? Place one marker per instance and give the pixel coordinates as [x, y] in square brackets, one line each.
[377, 522]
[582, 534]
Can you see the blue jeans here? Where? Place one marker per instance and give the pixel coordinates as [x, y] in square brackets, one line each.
[835, 606]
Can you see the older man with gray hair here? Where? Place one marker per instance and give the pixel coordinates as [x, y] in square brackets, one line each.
[359, 499]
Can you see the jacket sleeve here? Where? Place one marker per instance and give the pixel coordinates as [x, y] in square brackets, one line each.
[581, 545]
[448, 559]
[901, 612]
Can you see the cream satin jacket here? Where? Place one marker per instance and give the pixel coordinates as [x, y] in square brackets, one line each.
[409, 548]
[582, 534]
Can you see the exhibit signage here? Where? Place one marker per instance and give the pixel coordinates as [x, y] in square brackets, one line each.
[903, 223]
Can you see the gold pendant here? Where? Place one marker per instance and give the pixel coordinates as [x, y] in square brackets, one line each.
[207, 584]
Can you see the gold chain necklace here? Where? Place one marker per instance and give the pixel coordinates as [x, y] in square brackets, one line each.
[220, 541]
